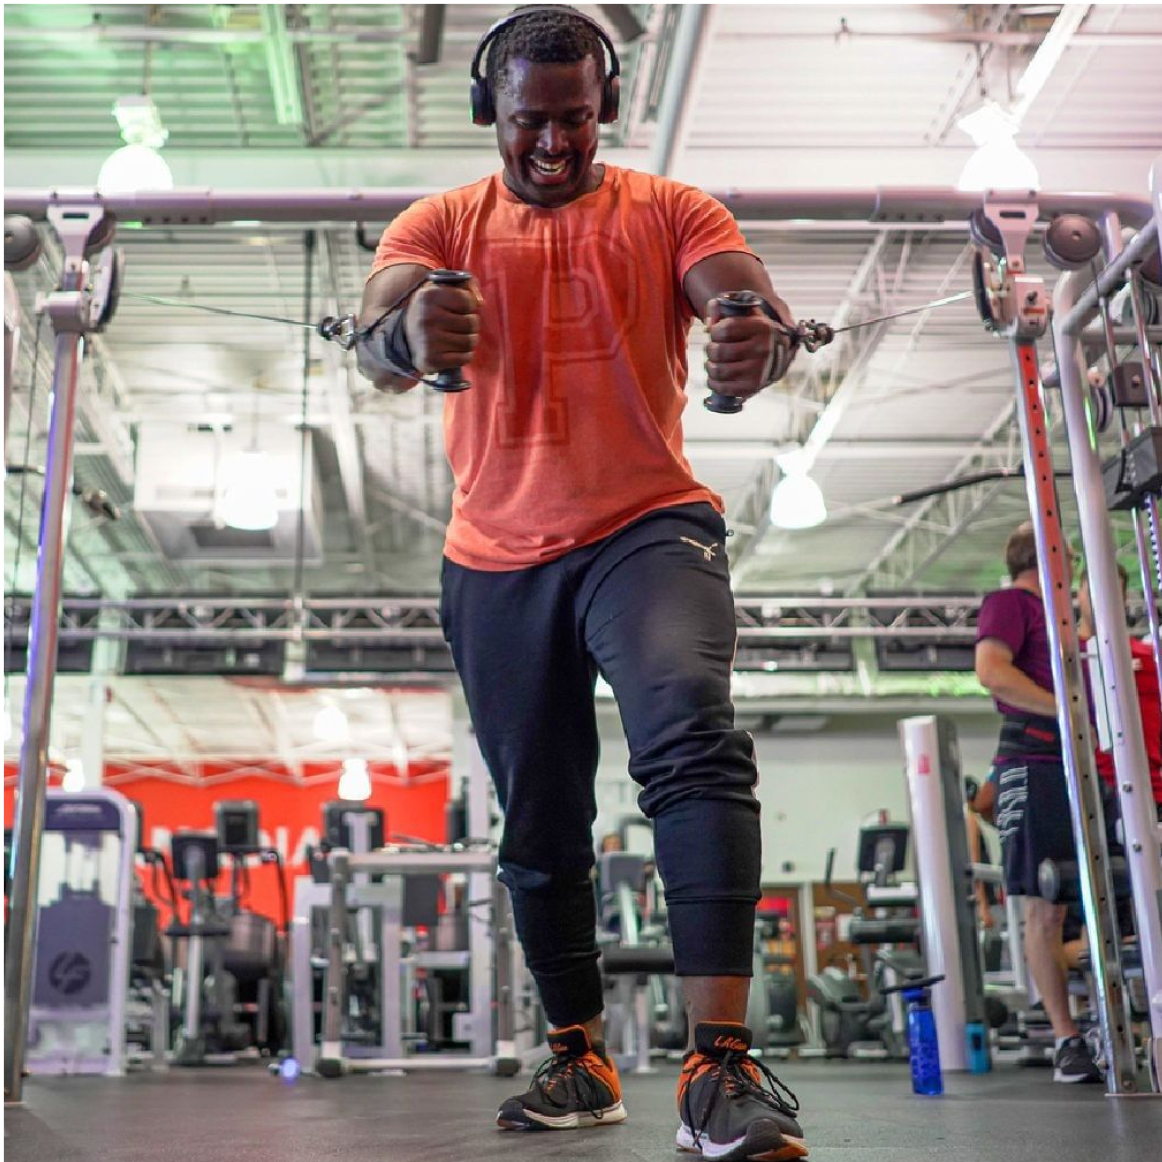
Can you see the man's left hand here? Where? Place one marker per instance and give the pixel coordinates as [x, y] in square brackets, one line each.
[739, 356]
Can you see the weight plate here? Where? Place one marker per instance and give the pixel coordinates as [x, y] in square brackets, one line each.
[1071, 241]
[21, 242]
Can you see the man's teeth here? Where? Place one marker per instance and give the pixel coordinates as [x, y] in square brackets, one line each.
[549, 167]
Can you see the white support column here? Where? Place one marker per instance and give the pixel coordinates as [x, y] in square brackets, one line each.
[93, 731]
[470, 775]
[938, 905]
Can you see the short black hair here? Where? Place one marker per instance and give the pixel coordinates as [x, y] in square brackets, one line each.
[544, 36]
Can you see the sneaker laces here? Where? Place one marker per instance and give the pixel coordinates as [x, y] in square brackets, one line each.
[738, 1075]
[556, 1071]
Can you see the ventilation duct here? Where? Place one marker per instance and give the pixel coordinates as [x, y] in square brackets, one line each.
[181, 472]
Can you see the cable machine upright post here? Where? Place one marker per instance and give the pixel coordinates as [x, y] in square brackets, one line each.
[74, 310]
[1015, 305]
[1131, 765]
[1144, 518]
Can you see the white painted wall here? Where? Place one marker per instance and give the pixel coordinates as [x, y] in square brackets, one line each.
[815, 789]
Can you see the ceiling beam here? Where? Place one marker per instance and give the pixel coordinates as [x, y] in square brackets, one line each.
[431, 42]
[926, 449]
[680, 90]
[968, 80]
[361, 34]
[934, 523]
[337, 385]
[281, 66]
[750, 518]
[624, 20]
[150, 34]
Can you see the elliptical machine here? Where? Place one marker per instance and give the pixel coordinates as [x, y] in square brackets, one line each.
[230, 989]
[873, 1028]
[255, 952]
[204, 992]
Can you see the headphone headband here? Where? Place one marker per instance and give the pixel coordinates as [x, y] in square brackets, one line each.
[482, 111]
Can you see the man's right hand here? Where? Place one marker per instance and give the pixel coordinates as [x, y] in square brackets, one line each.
[442, 325]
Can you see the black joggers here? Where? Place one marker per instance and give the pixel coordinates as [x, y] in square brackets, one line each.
[651, 609]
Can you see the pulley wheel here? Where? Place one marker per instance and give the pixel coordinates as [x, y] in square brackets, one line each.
[1151, 307]
[1101, 403]
[22, 243]
[983, 231]
[980, 291]
[102, 234]
[1071, 241]
[1151, 270]
[116, 280]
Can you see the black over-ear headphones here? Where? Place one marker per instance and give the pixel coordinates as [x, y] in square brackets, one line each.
[482, 97]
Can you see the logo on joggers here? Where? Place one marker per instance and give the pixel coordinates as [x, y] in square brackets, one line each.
[708, 551]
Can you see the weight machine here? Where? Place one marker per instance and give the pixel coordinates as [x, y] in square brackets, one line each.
[872, 1028]
[228, 985]
[488, 960]
[1014, 305]
[87, 932]
[380, 978]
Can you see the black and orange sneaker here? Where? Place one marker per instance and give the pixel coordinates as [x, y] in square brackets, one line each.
[733, 1107]
[575, 1089]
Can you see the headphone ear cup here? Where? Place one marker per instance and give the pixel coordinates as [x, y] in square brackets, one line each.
[610, 100]
[480, 96]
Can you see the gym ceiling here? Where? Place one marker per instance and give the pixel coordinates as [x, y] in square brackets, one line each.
[777, 97]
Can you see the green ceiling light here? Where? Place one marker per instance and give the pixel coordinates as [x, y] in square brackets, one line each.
[280, 65]
[137, 165]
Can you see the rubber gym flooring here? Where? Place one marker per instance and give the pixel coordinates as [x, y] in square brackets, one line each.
[852, 1111]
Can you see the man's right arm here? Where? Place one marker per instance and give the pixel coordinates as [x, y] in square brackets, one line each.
[385, 288]
[997, 674]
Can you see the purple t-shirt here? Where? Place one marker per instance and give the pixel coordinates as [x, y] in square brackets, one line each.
[1016, 618]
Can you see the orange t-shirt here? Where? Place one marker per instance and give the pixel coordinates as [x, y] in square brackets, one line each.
[572, 428]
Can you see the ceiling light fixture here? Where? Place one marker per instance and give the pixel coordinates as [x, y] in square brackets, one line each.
[248, 499]
[137, 165]
[796, 501]
[331, 724]
[355, 781]
[998, 162]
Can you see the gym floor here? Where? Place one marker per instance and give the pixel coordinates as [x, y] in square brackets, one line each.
[852, 1111]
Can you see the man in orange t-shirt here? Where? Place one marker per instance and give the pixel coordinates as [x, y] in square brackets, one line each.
[581, 543]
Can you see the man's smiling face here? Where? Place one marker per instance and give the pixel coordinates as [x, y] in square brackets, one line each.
[547, 130]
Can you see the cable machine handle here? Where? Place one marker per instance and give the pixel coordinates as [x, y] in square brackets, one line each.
[731, 304]
[452, 378]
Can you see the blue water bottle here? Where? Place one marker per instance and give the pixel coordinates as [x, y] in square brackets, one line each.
[925, 1051]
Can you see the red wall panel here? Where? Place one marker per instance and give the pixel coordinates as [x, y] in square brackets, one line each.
[290, 811]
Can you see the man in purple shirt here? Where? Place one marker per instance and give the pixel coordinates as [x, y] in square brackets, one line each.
[1032, 804]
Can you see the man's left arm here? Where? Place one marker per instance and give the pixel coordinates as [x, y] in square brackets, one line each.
[746, 352]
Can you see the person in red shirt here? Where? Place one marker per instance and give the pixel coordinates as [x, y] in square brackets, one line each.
[1149, 701]
[581, 543]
